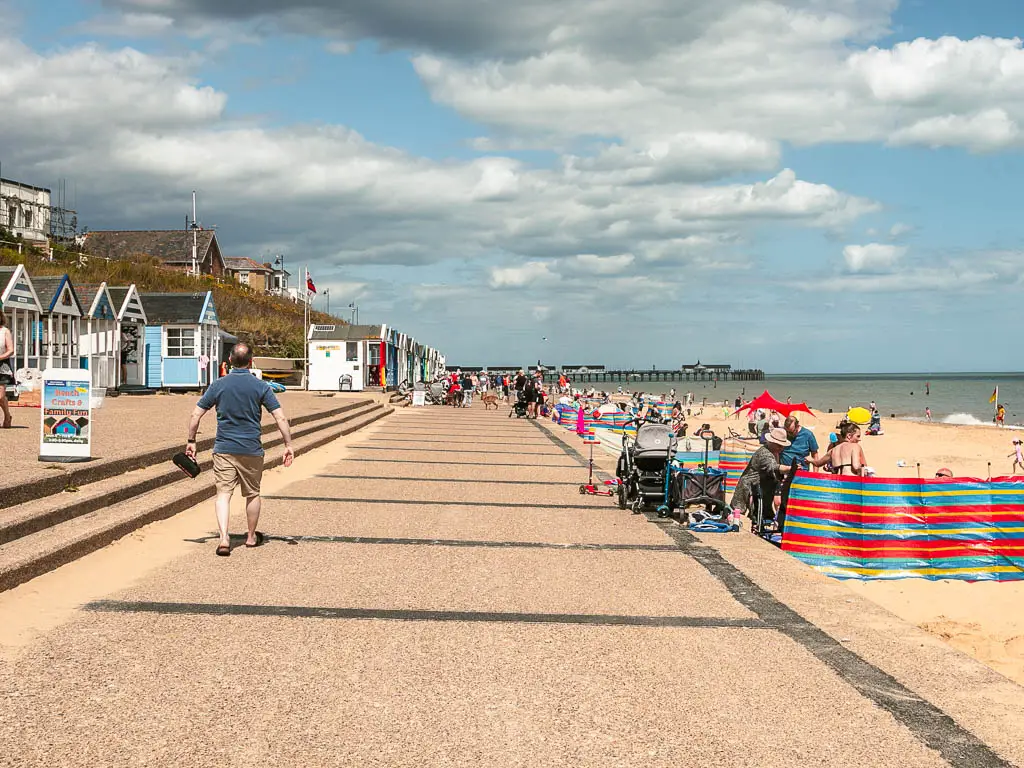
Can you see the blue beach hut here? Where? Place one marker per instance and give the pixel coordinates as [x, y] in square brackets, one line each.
[182, 342]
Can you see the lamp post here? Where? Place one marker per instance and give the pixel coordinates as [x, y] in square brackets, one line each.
[355, 313]
[281, 279]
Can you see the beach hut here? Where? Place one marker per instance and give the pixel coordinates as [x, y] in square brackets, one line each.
[344, 357]
[61, 320]
[98, 344]
[182, 341]
[131, 337]
[23, 310]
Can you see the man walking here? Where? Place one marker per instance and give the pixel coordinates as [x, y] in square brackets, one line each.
[239, 399]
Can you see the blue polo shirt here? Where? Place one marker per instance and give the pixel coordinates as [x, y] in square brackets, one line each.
[803, 445]
[239, 399]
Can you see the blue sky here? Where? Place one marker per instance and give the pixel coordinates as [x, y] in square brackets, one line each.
[797, 186]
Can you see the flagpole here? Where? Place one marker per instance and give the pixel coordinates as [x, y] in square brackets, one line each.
[305, 330]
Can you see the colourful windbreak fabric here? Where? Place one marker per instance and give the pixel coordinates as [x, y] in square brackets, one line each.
[733, 461]
[885, 528]
[694, 459]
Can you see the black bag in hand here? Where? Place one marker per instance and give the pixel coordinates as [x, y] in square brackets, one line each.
[186, 464]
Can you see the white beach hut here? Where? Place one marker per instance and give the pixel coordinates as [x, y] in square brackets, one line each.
[62, 315]
[98, 343]
[23, 310]
[131, 342]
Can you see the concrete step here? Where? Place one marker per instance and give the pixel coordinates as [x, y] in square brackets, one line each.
[31, 555]
[30, 517]
[79, 475]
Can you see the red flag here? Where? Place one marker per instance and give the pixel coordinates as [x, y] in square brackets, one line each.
[309, 284]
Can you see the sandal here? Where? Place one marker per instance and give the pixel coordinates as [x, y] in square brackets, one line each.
[224, 550]
[259, 541]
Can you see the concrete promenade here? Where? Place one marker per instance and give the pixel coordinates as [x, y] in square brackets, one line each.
[127, 426]
[437, 592]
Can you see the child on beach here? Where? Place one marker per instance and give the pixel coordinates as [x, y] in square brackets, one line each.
[927, 414]
[1018, 457]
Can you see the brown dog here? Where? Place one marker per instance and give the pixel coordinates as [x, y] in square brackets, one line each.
[490, 399]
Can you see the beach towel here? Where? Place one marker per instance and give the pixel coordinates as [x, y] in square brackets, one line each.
[892, 528]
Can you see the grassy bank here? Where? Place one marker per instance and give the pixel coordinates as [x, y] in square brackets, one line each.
[273, 326]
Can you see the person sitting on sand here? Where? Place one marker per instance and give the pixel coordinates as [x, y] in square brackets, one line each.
[847, 456]
[762, 471]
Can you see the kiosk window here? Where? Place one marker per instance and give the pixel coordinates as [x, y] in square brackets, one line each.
[352, 351]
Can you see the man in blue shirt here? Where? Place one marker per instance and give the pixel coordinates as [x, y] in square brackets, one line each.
[802, 445]
[239, 399]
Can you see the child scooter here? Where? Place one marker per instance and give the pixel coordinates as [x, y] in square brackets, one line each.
[590, 489]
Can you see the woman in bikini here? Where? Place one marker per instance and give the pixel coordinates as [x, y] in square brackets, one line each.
[847, 456]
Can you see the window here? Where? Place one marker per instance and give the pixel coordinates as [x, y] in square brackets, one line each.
[181, 342]
[352, 351]
[27, 213]
[374, 353]
[243, 278]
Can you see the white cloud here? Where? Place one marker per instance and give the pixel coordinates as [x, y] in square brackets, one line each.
[899, 229]
[127, 25]
[648, 71]
[985, 131]
[530, 273]
[680, 157]
[873, 257]
[591, 264]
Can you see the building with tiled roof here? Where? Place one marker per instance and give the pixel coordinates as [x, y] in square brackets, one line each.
[249, 272]
[172, 246]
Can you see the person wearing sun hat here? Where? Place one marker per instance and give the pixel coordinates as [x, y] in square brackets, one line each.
[762, 472]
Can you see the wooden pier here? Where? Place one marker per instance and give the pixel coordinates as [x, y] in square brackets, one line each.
[597, 374]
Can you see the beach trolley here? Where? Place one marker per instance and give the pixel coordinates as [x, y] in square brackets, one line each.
[98, 343]
[60, 322]
[23, 310]
[131, 337]
[698, 483]
[182, 340]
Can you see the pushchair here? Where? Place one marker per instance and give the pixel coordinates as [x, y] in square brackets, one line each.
[519, 407]
[437, 392]
[703, 487]
[644, 468]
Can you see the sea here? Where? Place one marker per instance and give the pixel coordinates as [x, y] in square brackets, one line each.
[953, 398]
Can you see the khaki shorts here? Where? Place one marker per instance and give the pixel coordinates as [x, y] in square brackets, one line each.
[230, 470]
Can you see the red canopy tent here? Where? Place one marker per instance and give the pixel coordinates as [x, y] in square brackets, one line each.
[769, 403]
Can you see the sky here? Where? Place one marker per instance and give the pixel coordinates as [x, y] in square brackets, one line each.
[791, 185]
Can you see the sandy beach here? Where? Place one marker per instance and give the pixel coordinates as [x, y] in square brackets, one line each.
[981, 619]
